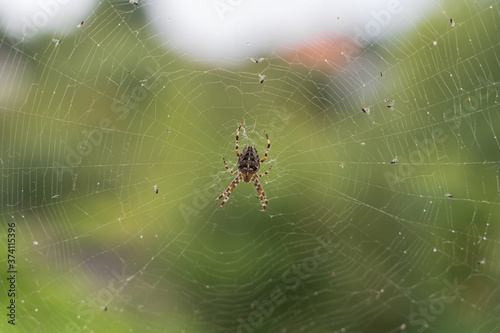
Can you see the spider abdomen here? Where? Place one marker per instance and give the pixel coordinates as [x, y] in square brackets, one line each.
[248, 163]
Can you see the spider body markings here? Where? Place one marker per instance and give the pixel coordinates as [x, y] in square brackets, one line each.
[248, 167]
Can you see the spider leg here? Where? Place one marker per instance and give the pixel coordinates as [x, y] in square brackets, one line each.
[237, 135]
[233, 172]
[228, 190]
[265, 173]
[268, 146]
[262, 194]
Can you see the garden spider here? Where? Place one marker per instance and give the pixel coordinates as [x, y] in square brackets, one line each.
[248, 166]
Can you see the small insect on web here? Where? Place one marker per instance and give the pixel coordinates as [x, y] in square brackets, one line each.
[257, 60]
[248, 166]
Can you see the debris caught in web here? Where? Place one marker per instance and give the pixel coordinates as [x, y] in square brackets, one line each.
[395, 160]
[57, 41]
[262, 78]
[366, 110]
[81, 23]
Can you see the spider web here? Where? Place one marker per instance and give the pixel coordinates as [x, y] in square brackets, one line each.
[383, 220]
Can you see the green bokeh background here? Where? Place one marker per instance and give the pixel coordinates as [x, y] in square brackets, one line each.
[94, 123]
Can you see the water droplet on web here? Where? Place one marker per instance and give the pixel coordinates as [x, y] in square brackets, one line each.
[35, 243]
[435, 42]
[434, 250]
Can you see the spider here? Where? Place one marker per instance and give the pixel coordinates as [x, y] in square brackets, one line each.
[248, 166]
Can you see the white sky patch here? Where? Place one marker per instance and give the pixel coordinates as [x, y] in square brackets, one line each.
[28, 18]
[227, 30]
